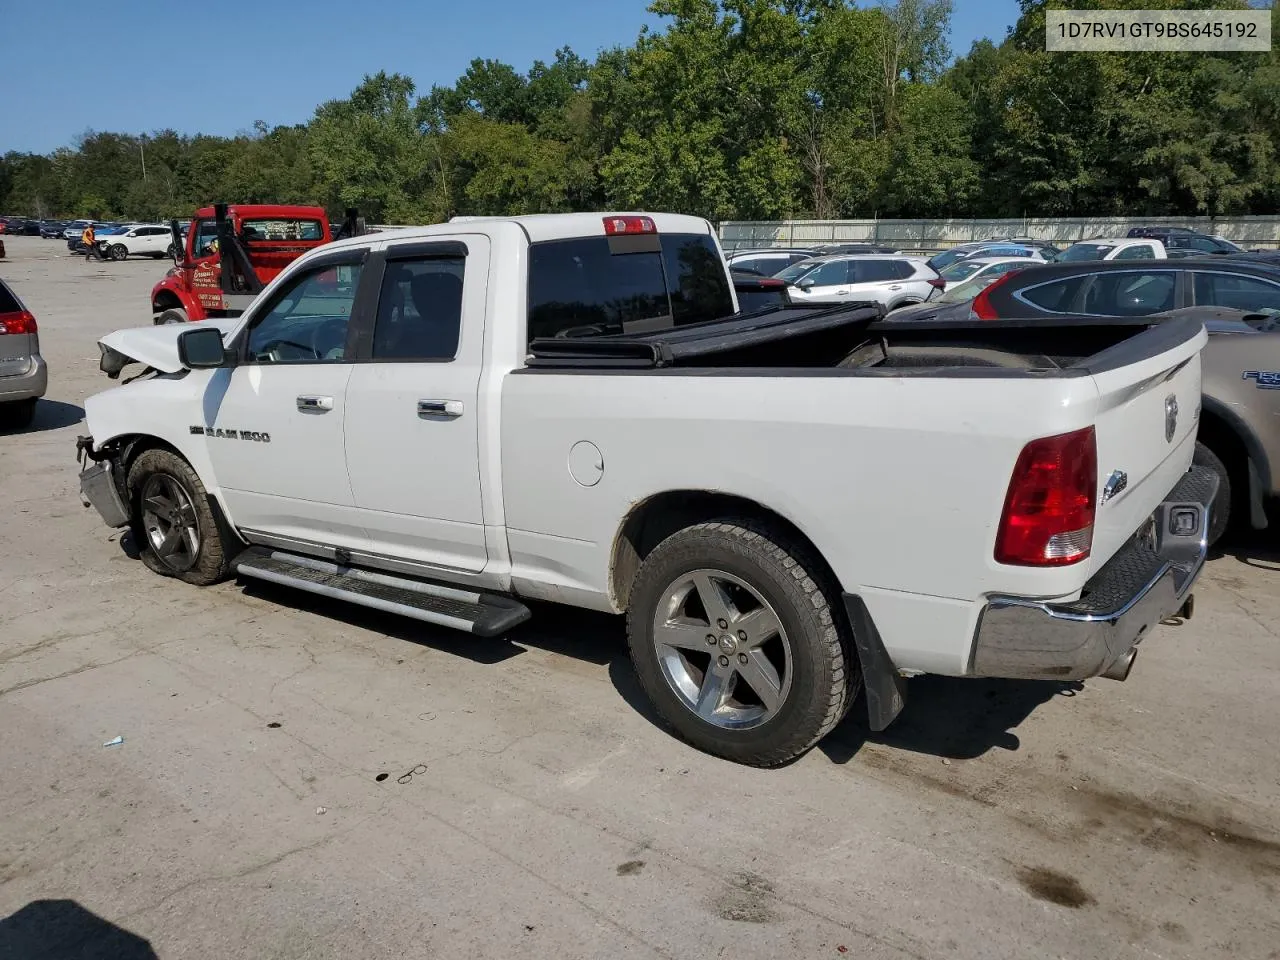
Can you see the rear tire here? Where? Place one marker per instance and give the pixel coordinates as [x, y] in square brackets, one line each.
[17, 414]
[173, 525]
[1220, 509]
[172, 315]
[803, 661]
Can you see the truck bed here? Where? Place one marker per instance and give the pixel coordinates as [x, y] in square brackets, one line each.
[860, 339]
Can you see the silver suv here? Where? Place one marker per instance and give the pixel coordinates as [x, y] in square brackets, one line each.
[894, 281]
[23, 375]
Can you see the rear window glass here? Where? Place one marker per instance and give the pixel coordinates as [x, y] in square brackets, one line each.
[765, 298]
[960, 271]
[281, 229]
[1086, 251]
[581, 288]
[8, 302]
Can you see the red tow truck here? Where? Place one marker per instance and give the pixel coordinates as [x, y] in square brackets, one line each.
[231, 252]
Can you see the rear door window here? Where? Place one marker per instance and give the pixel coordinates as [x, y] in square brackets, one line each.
[872, 271]
[1237, 292]
[587, 287]
[419, 310]
[1056, 296]
[1135, 293]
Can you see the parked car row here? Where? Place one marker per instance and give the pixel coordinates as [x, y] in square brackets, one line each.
[1238, 295]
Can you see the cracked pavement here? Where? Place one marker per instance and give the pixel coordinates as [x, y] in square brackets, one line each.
[555, 819]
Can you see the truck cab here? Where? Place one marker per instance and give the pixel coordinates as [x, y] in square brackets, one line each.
[230, 253]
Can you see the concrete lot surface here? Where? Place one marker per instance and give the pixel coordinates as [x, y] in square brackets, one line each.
[245, 814]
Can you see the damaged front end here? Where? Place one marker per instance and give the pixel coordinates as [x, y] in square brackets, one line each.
[102, 482]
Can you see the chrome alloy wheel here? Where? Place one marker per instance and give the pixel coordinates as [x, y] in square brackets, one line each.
[723, 649]
[169, 519]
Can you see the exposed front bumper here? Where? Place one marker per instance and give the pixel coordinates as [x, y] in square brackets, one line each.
[1148, 580]
[28, 385]
[99, 487]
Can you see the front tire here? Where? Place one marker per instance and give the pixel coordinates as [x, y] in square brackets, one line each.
[119, 252]
[1220, 509]
[734, 639]
[173, 525]
[172, 315]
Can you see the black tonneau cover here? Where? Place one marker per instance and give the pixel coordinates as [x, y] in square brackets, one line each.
[684, 346]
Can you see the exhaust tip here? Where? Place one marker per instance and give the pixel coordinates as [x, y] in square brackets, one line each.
[1120, 669]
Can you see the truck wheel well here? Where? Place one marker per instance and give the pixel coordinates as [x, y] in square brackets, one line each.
[165, 300]
[133, 446]
[1221, 437]
[652, 521]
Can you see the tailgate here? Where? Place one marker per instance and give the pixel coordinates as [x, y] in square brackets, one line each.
[1148, 413]
[15, 354]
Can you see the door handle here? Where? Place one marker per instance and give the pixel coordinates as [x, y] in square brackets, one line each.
[313, 404]
[440, 409]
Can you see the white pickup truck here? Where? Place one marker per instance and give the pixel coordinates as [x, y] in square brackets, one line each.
[790, 506]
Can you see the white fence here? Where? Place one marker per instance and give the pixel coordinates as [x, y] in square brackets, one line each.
[932, 235]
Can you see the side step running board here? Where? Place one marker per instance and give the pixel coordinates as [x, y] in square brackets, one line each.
[483, 614]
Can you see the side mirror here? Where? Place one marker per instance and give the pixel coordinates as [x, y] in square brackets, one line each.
[178, 242]
[201, 348]
[805, 285]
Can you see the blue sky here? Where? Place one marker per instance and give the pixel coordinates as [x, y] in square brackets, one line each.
[75, 65]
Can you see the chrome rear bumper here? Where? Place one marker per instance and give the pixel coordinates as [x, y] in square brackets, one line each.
[1147, 581]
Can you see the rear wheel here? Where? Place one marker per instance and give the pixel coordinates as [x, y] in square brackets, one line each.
[172, 315]
[735, 642]
[1220, 509]
[119, 251]
[173, 525]
[169, 251]
[17, 414]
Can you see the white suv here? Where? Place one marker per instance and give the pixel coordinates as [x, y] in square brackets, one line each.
[141, 239]
[892, 280]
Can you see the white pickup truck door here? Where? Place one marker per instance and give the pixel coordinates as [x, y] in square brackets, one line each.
[274, 422]
[413, 417]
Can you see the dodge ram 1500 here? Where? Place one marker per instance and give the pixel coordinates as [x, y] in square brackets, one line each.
[790, 505]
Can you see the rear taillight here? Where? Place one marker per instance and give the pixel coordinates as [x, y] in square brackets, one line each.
[769, 283]
[620, 226]
[18, 322]
[1049, 509]
[981, 308]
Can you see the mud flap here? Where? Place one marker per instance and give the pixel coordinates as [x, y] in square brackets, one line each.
[886, 689]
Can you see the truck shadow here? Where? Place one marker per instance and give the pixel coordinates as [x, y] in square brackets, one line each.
[63, 928]
[950, 717]
[944, 716]
[49, 415]
[1254, 548]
